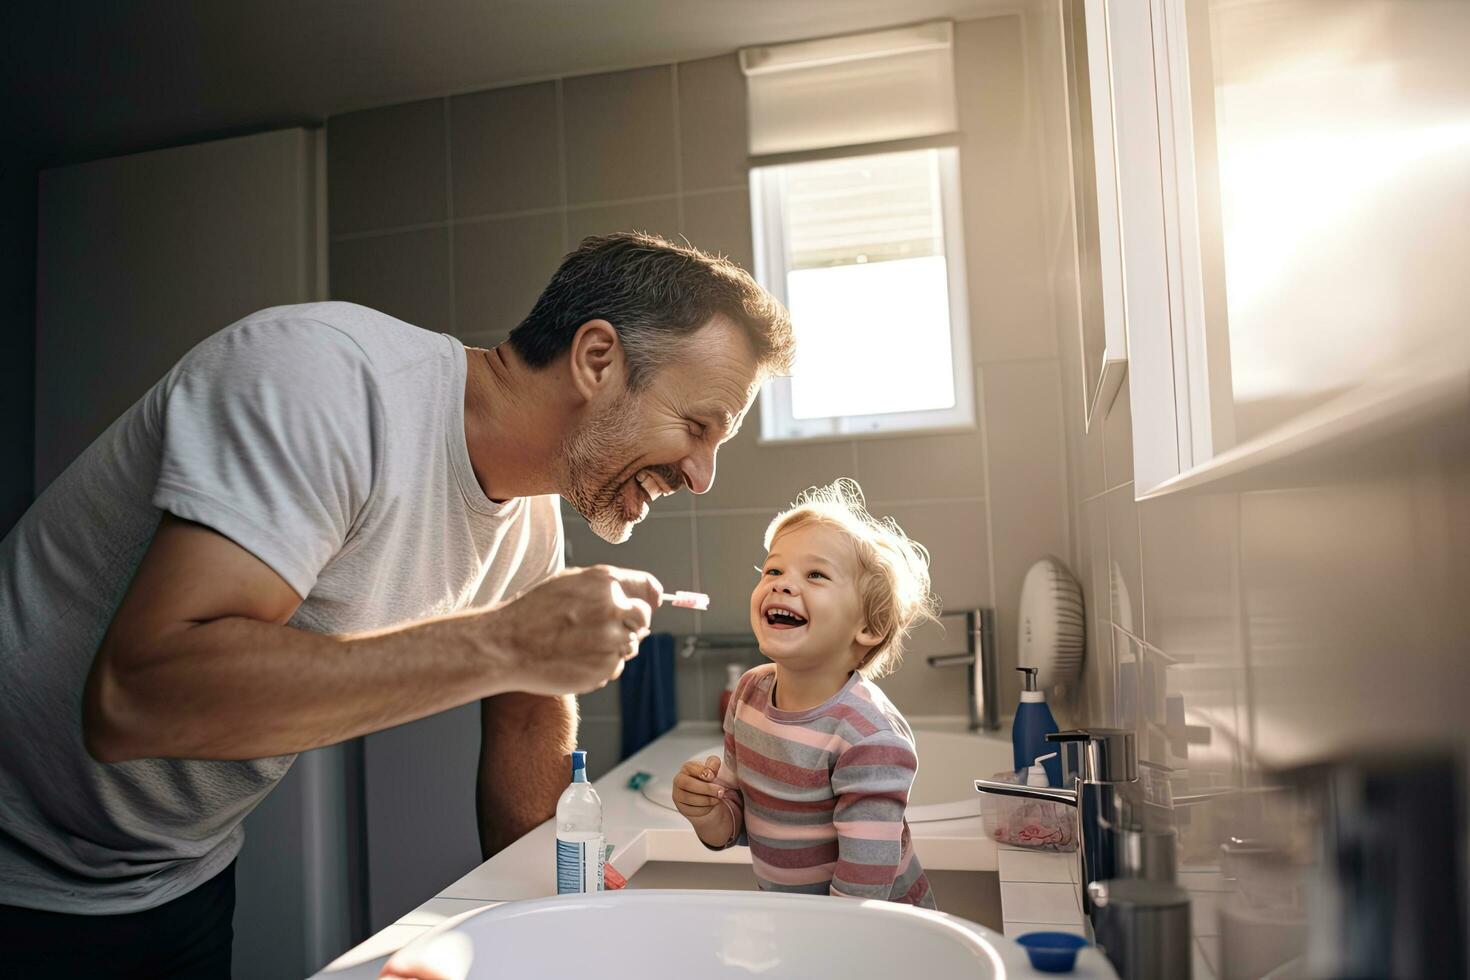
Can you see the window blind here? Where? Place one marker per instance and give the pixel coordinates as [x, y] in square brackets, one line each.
[856, 89]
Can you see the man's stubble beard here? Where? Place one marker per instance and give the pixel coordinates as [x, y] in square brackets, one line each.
[593, 486]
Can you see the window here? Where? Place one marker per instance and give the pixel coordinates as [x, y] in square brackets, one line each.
[866, 252]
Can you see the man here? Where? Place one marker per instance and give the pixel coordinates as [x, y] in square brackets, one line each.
[276, 548]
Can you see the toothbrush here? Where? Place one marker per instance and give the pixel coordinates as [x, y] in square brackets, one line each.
[687, 600]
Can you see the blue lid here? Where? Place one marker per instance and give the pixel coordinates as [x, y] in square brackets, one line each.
[579, 760]
[1052, 952]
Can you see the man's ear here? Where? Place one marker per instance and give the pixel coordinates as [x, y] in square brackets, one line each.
[596, 360]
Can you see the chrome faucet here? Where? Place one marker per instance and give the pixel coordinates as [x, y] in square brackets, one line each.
[1103, 795]
[980, 668]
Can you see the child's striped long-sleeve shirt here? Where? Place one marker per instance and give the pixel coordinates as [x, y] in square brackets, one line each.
[822, 792]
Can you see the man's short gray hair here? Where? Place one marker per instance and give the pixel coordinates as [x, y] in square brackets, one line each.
[655, 294]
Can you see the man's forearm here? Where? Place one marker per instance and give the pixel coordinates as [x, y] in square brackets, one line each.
[525, 742]
[238, 688]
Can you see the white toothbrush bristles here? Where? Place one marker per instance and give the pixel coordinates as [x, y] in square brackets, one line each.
[688, 600]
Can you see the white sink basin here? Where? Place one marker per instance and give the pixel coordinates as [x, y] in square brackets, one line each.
[675, 935]
[949, 763]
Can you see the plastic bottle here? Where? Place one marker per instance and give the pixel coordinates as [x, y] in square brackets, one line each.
[733, 673]
[1033, 723]
[579, 839]
[1036, 775]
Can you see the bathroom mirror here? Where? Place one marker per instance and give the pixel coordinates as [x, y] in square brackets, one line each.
[1099, 271]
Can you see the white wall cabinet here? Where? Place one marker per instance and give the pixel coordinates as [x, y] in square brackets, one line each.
[1292, 188]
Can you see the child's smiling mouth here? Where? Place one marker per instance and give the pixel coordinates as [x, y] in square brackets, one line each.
[783, 618]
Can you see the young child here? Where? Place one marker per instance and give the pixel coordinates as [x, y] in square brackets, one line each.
[818, 762]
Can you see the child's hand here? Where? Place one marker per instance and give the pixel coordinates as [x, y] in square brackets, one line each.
[696, 793]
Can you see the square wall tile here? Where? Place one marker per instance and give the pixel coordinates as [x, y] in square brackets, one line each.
[954, 532]
[404, 275]
[1035, 901]
[730, 553]
[712, 122]
[662, 546]
[601, 703]
[990, 74]
[719, 222]
[1118, 440]
[1024, 864]
[1069, 701]
[1199, 965]
[386, 167]
[922, 467]
[1190, 576]
[1095, 585]
[1201, 712]
[1094, 478]
[692, 705]
[1084, 445]
[660, 217]
[500, 268]
[751, 475]
[1022, 414]
[1355, 612]
[1125, 563]
[505, 150]
[1162, 734]
[619, 135]
[1209, 947]
[919, 690]
[1128, 690]
[602, 740]
[1009, 290]
[1098, 668]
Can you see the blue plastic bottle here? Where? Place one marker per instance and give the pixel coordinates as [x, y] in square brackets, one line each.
[1028, 733]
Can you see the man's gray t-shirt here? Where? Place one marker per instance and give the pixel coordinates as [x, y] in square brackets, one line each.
[326, 439]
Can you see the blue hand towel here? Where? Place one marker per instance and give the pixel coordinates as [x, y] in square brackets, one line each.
[646, 693]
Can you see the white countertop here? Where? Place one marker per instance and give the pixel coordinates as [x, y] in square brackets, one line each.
[643, 831]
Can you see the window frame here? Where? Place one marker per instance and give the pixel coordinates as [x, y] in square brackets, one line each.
[769, 237]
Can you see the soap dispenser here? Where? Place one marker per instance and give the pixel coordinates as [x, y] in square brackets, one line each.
[1033, 723]
[1037, 775]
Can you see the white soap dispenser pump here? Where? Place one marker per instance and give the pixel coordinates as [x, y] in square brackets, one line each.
[1036, 775]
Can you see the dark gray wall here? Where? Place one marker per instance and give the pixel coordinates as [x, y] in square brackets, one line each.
[140, 257]
[17, 334]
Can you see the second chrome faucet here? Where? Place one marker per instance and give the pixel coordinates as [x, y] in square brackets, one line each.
[1103, 795]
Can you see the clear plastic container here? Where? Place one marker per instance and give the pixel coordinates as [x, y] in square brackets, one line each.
[579, 840]
[1040, 824]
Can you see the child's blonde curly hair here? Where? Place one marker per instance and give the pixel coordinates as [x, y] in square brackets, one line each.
[893, 578]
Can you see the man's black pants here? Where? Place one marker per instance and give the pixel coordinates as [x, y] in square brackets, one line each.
[185, 939]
